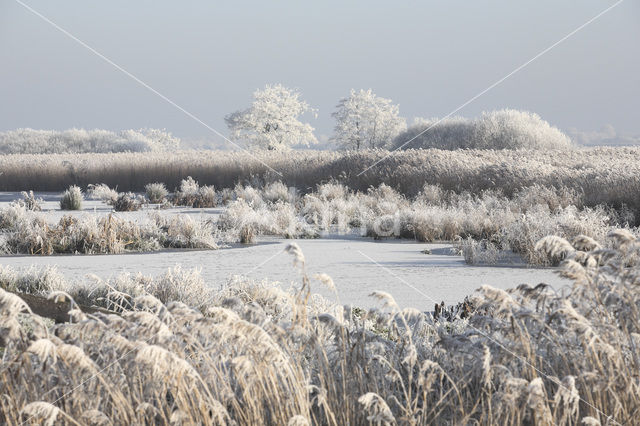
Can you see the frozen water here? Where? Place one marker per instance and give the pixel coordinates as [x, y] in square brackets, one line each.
[413, 278]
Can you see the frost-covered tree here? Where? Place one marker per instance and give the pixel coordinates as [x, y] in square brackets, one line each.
[503, 129]
[272, 122]
[364, 120]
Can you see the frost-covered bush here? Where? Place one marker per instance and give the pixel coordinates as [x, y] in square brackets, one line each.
[432, 195]
[16, 214]
[239, 214]
[206, 197]
[128, 202]
[102, 192]
[32, 280]
[121, 202]
[187, 193]
[247, 234]
[72, 199]
[156, 192]
[273, 219]
[30, 202]
[191, 194]
[278, 191]
[503, 129]
[249, 194]
[450, 133]
[286, 223]
[30, 141]
[479, 252]
[182, 231]
[332, 191]
[227, 195]
[512, 129]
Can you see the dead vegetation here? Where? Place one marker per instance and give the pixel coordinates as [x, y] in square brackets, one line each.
[24, 231]
[586, 171]
[253, 353]
[485, 227]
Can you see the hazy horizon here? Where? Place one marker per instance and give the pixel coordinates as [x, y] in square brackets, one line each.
[428, 57]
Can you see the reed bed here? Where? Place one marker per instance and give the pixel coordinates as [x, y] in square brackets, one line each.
[256, 354]
[483, 226]
[23, 231]
[587, 171]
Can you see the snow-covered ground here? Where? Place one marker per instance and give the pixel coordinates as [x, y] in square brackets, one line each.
[357, 265]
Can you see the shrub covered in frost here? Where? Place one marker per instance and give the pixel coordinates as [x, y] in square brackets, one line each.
[156, 192]
[128, 202]
[30, 141]
[72, 199]
[102, 192]
[504, 129]
[29, 201]
[191, 194]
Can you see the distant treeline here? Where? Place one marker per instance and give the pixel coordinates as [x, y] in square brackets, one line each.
[74, 141]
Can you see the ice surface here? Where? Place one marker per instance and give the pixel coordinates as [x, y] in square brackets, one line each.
[413, 278]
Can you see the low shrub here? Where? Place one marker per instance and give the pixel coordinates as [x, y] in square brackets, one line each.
[182, 231]
[156, 192]
[206, 197]
[128, 202]
[187, 193]
[249, 194]
[191, 194]
[278, 191]
[30, 202]
[102, 192]
[72, 199]
[247, 234]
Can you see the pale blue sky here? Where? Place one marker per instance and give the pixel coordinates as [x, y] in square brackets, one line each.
[428, 56]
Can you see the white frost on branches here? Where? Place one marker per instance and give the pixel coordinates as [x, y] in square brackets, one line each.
[364, 120]
[76, 141]
[503, 129]
[272, 120]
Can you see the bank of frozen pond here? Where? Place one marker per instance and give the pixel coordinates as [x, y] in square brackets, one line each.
[358, 266]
